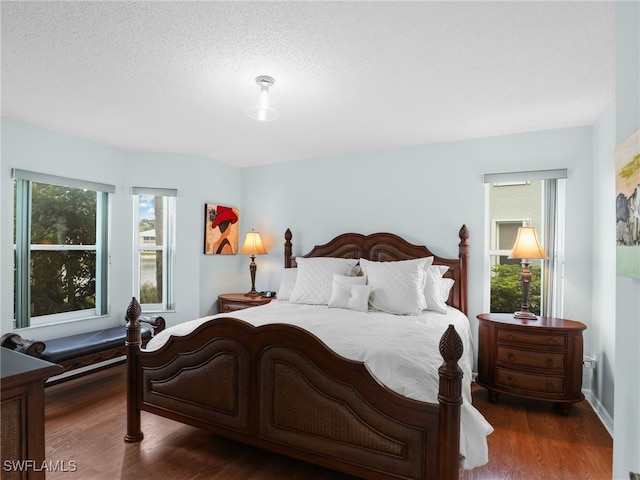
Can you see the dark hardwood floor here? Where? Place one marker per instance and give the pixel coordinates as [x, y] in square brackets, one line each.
[533, 441]
[86, 422]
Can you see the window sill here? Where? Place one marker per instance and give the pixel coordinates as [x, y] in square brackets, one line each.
[156, 312]
[59, 322]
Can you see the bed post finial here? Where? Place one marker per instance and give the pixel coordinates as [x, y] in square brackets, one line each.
[450, 399]
[132, 344]
[133, 311]
[463, 255]
[287, 248]
[464, 239]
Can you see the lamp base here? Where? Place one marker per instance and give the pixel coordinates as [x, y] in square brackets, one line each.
[252, 293]
[527, 315]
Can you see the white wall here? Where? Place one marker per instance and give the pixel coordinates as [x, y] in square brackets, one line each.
[199, 180]
[604, 266]
[424, 194]
[626, 445]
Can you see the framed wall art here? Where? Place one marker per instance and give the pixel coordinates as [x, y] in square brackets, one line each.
[627, 160]
[220, 229]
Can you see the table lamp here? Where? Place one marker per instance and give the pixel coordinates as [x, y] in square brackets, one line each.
[526, 247]
[253, 246]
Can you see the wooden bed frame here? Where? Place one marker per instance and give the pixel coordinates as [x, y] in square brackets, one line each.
[280, 388]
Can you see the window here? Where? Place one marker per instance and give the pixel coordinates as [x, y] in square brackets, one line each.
[513, 200]
[154, 246]
[61, 248]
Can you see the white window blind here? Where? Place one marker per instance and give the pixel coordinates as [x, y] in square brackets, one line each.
[160, 192]
[61, 181]
[525, 176]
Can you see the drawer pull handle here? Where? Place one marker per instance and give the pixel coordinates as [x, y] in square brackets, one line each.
[511, 337]
[549, 362]
[549, 386]
[511, 357]
[509, 379]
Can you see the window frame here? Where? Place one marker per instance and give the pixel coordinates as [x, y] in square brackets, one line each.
[168, 249]
[495, 229]
[23, 247]
[551, 234]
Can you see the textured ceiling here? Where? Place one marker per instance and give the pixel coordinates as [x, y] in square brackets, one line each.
[350, 76]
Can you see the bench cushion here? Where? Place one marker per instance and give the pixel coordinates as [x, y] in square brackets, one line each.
[60, 349]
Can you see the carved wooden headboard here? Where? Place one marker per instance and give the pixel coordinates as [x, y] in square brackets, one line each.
[386, 247]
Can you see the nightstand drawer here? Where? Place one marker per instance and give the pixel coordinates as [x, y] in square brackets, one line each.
[527, 381]
[528, 358]
[233, 306]
[232, 302]
[512, 336]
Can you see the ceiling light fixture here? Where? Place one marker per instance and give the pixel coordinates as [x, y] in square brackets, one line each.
[264, 112]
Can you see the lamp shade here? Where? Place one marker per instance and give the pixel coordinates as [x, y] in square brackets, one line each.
[527, 245]
[253, 244]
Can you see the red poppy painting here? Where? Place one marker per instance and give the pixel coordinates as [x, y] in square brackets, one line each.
[220, 230]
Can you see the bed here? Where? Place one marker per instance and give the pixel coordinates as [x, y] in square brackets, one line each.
[289, 376]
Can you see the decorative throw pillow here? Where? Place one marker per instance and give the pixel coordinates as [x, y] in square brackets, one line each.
[397, 287]
[315, 277]
[359, 299]
[341, 290]
[287, 282]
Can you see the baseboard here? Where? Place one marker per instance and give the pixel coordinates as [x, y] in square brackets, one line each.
[600, 411]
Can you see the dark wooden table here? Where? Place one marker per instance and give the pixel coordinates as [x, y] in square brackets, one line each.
[22, 445]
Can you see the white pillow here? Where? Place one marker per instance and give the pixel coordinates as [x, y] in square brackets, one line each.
[359, 299]
[315, 276]
[397, 287]
[446, 284]
[287, 282]
[341, 290]
[433, 289]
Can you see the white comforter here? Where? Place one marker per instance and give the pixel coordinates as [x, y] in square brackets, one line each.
[400, 351]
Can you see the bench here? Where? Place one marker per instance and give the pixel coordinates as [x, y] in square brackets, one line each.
[102, 348]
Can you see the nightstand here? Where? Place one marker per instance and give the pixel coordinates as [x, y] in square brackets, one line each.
[230, 302]
[539, 359]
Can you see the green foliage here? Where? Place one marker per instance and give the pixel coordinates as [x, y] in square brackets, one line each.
[62, 281]
[506, 290]
[147, 224]
[63, 216]
[148, 293]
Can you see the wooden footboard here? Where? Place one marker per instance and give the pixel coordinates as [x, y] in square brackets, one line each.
[280, 388]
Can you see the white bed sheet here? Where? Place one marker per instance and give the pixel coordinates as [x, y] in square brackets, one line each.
[400, 351]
